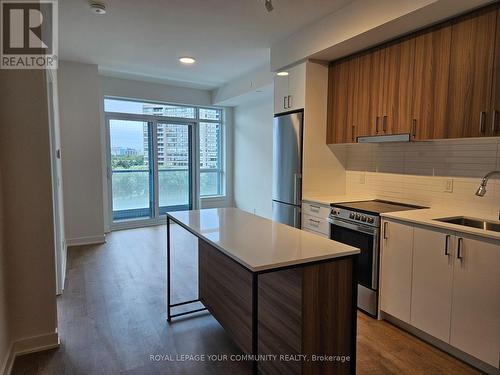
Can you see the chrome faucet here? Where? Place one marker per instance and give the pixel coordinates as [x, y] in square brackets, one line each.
[481, 191]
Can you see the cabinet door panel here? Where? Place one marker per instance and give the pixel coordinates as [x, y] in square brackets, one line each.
[398, 86]
[396, 264]
[280, 93]
[376, 93]
[432, 65]
[338, 81]
[494, 128]
[364, 118]
[432, 282]
[471, 73]
[475, 318]
[353, 77]
[297, 87]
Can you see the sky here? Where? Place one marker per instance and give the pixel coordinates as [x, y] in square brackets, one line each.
[127, 134]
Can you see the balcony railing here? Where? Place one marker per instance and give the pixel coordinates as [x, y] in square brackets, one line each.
[132, 191]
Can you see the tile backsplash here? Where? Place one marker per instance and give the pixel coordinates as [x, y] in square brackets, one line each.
[439, 174]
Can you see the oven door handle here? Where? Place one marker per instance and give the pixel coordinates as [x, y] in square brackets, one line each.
[354, 226]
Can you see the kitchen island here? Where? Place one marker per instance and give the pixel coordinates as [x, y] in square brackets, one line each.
[285, 296]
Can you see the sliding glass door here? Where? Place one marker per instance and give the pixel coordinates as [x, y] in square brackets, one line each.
[131, 172]
[151, 165]
[174, 166]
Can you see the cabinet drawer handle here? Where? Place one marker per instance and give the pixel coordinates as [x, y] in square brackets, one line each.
[459, 249]
[313, 207]
[494, 121]
[376, 124]
[384, 123]
[289, 101]
[447, 245]
[414, 127]
[482, 115]
[314, 221]
[386, 226]
[284, 102]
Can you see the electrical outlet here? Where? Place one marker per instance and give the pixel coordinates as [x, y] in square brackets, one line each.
[362, 178]
[448, 186]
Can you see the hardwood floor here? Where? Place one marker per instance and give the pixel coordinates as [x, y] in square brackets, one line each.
[112, 318]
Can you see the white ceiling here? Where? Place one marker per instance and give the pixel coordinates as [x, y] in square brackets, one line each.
[143, 39]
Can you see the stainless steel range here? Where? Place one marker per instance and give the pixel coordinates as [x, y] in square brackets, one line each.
[358, 224]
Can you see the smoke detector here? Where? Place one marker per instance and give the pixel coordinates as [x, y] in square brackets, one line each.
[97, 7]
[269, 5]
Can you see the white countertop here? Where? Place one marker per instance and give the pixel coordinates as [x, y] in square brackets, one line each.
[328, 199]
[257, 243]
[425, 217]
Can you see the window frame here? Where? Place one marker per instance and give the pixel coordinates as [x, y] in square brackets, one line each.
[221, 170]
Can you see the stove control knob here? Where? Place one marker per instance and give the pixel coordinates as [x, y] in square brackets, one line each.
[358, 216]
[371, 220]
[351, 215]
[363, 218]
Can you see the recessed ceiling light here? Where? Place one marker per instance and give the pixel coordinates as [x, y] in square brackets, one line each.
[97, 7]
[282, 74]
[187, 60]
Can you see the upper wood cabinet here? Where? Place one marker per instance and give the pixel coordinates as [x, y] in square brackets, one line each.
[443, 82]
[495, 115]
[398, 87]
[365, 81]
[430, 91]
[469, 107]
[341, 88]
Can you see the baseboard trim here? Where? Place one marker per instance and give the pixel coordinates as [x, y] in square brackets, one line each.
[7, 361]
[92, 240]
[29, 345]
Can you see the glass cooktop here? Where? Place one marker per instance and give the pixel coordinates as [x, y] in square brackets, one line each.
[376, 206]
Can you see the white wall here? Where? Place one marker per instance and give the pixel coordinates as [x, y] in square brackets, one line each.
[253, 156]
[28, 243]
[131, 89]
[417, 173]
[80, 117]
[323, 171]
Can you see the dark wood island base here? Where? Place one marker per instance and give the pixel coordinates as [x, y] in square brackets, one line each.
[299, 319]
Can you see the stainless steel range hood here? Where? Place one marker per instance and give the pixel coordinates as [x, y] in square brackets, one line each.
[385, 138]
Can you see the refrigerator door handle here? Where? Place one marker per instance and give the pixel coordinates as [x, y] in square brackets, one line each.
[297, 178]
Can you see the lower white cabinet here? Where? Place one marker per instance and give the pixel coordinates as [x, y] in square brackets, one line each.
[432, 280]
[446, 284]
[475, 313]
[395, 275]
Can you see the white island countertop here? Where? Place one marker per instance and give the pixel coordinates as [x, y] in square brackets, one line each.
[256, 243]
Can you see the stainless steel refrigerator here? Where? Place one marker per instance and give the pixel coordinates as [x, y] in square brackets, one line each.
[287, 168]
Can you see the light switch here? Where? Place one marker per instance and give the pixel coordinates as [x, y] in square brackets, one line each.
[448, 185]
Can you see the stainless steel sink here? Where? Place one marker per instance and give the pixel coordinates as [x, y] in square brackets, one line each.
[470, 222]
